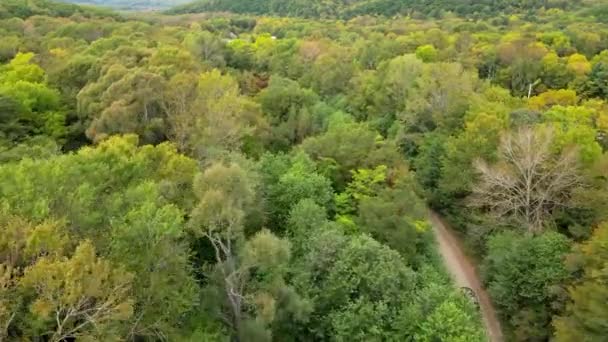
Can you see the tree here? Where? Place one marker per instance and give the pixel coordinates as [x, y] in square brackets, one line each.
[208, 47]
[21, 244]
[288, 108]
[330, 72]
[131, 105]
[448, 322]
[129, 201]
[484, 122]
[82, 296]
[596, 85]
[555, 74]
[548, 99]
[28, 105]
[523, 274]
[427, 53]
[529, 182]
[579, 64]
[250, 272]
[149, 242]
[397, 217]
[351, 279]
[438, 98]
[224, 193]
[348, 145]
[578, 127]
[212, 118]
[585, 316]
[365, 183]
[286, 182]
[8, 299]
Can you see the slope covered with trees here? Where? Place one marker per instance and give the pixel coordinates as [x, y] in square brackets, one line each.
[350, 8]
[227, 177]
[131, 4]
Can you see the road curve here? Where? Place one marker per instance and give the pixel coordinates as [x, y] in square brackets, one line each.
[464, 273]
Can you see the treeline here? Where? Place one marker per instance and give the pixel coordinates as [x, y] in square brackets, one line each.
[232, 177]
[27, 8]
[349, 9]
[131, 4]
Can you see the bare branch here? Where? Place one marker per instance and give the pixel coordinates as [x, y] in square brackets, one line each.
[529, 182]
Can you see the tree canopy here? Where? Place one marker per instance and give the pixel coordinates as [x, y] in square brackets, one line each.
[263, 170]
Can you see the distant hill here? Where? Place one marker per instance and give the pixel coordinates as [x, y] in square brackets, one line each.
[351, 8]
[28, 8]
[131, 4]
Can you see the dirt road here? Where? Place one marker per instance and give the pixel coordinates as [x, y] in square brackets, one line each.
[464, 273]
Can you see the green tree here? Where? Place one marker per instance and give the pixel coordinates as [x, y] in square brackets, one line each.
[348, 145]
[288, 107]
[29, 106]
[523, 273]
[427, 53]
[207, 46]
[350, 280]
[287, 182]
[585, 317]
[249, 272]
[448, 322]
[596, 84]
[129, 201]
[397, 217]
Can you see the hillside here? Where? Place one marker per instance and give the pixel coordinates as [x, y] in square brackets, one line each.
[28, 8]
[131, 4]
[348, 8]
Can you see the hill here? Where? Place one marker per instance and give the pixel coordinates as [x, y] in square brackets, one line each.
[131, 4]
[352, 8]
[27, 8]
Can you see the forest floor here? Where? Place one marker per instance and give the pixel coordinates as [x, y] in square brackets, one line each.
[465, 274]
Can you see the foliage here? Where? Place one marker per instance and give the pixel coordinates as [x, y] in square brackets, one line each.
[584, 316]
[241, 177]
[349, 9]
[29, 106]
[79, 297]
[523, 274]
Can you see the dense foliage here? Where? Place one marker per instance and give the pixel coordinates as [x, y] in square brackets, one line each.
[131, 4]
[349, 9]
[209, 177]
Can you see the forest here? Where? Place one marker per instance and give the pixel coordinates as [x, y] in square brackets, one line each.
[263, 170]
[132, 5]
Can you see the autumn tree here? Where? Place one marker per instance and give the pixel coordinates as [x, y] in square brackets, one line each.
[132, 213]
[83, 296]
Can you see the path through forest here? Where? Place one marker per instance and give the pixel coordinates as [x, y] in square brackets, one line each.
[465, 275]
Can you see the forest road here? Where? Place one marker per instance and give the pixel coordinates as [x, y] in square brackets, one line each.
[465, 274]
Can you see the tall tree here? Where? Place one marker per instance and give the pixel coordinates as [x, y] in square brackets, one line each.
[529, 182]
[249, 271]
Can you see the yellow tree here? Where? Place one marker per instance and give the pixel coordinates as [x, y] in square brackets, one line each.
[80, 297]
